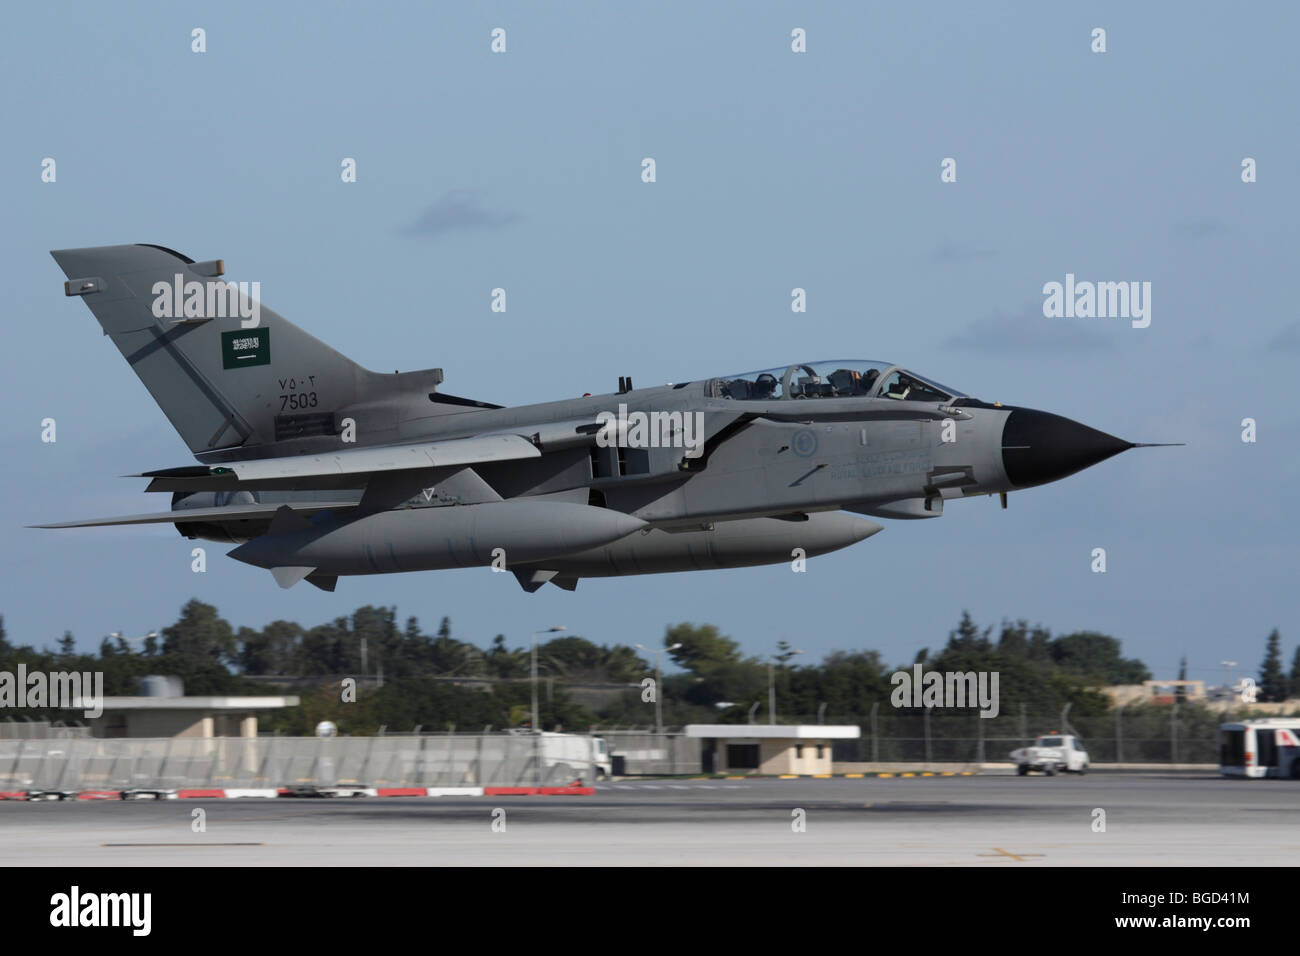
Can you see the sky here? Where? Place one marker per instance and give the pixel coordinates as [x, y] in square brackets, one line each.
[775, 170]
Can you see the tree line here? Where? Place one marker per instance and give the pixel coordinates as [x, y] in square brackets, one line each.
[408, 678]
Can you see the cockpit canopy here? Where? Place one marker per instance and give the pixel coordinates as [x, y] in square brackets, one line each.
[833, 379]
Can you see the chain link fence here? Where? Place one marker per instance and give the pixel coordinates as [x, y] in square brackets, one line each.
[29, 760]
[635, 753]
[1178, 734]
[452, 760]
[1147, 734]
[33, 729]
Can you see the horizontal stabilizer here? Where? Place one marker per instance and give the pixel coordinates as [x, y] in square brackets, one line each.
[530, 581]
[288, 577]
[221, 513]
[326, 582]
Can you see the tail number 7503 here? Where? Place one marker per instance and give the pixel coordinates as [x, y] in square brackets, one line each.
[296, 400]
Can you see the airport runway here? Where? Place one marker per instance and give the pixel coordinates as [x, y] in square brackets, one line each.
[986, 821]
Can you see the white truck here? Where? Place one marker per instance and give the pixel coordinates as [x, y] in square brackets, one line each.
[566, 757]
[1051, 753]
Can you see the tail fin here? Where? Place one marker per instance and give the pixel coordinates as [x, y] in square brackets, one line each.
[228, 372]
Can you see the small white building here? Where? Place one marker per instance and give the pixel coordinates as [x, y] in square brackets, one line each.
[769, 748]
[161, 709]
[183, 716]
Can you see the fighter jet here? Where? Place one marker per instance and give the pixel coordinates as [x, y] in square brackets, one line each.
[319, 468]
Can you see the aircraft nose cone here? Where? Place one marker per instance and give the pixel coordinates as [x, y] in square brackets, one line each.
[1038, 447]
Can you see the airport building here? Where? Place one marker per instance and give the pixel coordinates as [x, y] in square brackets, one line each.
[163, 710]
[769, 748]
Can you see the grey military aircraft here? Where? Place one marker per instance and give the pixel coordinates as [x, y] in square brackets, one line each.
[319, 468]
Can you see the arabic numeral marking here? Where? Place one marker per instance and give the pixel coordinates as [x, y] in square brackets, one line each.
[298, 400]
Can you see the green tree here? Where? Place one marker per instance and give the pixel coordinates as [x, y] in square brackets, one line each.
[273, 650]
[377, 626]
[1096, 656]
[446, 655]
[967, 638]
[847, 682]
[1022, 642]
[582, 660]
[1028, 673]
[784, 652]
[506, 662]
[200, 634]
[702, 647]
[739, 682]
[1273, 684]
[324, 649]
[1013, 642]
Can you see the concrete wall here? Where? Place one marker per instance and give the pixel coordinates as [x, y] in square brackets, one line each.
[647, 753]
[196, 762]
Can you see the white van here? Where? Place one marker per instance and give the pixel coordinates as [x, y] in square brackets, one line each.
[1260, 748]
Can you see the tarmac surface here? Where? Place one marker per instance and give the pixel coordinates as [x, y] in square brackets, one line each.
[1000, 821]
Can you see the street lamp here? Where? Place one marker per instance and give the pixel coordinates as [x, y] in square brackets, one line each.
[130, 640]
[545, 630]
[659, 683]
[771, 684]
[1227, 674]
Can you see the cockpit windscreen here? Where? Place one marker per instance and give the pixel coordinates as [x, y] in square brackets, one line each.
[833, 379]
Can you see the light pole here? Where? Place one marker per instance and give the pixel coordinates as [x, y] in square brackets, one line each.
[771, 683]
[1227, 674]
[659, 683]
[129, 640]
[545, 630]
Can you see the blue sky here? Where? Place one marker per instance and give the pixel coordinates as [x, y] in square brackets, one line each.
[775, 170]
